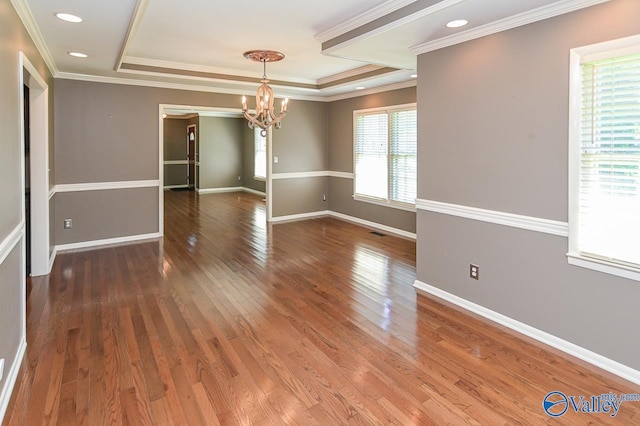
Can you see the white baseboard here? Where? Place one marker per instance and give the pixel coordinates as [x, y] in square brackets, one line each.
[572, 349]
[52, 258]
[253, 191]
[374, 225]
[107, 241]
[301, 216]
[174, 186]
[12, 377]
[219, 190]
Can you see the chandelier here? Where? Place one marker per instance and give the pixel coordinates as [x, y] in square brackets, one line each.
[265, 115]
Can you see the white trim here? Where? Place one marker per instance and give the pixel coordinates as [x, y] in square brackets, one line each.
[362, 19]
[174, 186]
[136, 18]
[24, 12]
[535, 15]
[300, 175]
[100, 186]
[39, 162]
[397, 23]
[600, 265]
[577, 56]
[343, 175]
[203, 191]
[222, 90]
[373, 225]
[530, 223]
[385, 203]
[374, 90]
[107, 241]
[572, 349]
[157, 63]
[319, 173]
[175, 162]
[52, 192]
[52, 257]
[161, 108]
[176, 86]
[300, 216]
[11, 241]
[354, 72]
[12, 377]
[346, 218]
[253, 191]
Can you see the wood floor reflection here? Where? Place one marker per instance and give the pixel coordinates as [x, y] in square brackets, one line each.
[230, 321]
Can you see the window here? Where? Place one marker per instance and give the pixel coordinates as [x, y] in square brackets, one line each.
[385, 156]
[605, 160]
[259, 155]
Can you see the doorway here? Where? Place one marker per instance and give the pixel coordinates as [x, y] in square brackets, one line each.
[173, 110]
[191, 156]
[27, 178]
[34, 106]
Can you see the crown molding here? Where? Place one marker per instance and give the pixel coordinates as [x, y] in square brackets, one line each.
[372, 91]
[156, 63]
[209, 89]
[362, 19]
[348, 74]
[138, 13]
[430, 10]
[539, 14]
[23, 11]
[168, 85]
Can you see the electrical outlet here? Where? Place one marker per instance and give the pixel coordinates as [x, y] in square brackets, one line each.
[68, 224]
[324, 197]
[474, 271]
[1, 368]
[238, 178]
[275, 160]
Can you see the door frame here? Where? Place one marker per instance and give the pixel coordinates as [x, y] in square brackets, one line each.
[41, 256]
[195, 157]
[223, 112]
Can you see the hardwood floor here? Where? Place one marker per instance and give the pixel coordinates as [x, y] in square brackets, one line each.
[231, 321]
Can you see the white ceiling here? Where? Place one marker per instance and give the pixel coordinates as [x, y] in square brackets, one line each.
[331, 46]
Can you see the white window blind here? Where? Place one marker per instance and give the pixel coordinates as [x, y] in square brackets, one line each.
[609, 198]
[385, 154]
[403, 156]
[260, 154]
[371, 155]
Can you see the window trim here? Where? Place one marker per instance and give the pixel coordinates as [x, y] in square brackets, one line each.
[577, 56]
[385, 202]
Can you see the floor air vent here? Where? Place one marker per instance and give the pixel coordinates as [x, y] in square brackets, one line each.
[377, 234]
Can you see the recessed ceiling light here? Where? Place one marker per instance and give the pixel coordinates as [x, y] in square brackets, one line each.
[360, 88]
[413, 75]
[457, 23]
[68, 17]
[77, 54]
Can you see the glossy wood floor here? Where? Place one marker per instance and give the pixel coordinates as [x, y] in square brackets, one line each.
[230, 321]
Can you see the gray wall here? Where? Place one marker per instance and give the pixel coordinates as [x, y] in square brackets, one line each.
[493, 133]
[114, 137]
[248, 161]
[220, 152]
[14, 39]
[301, 146]
[340, 150]
[175, 148]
